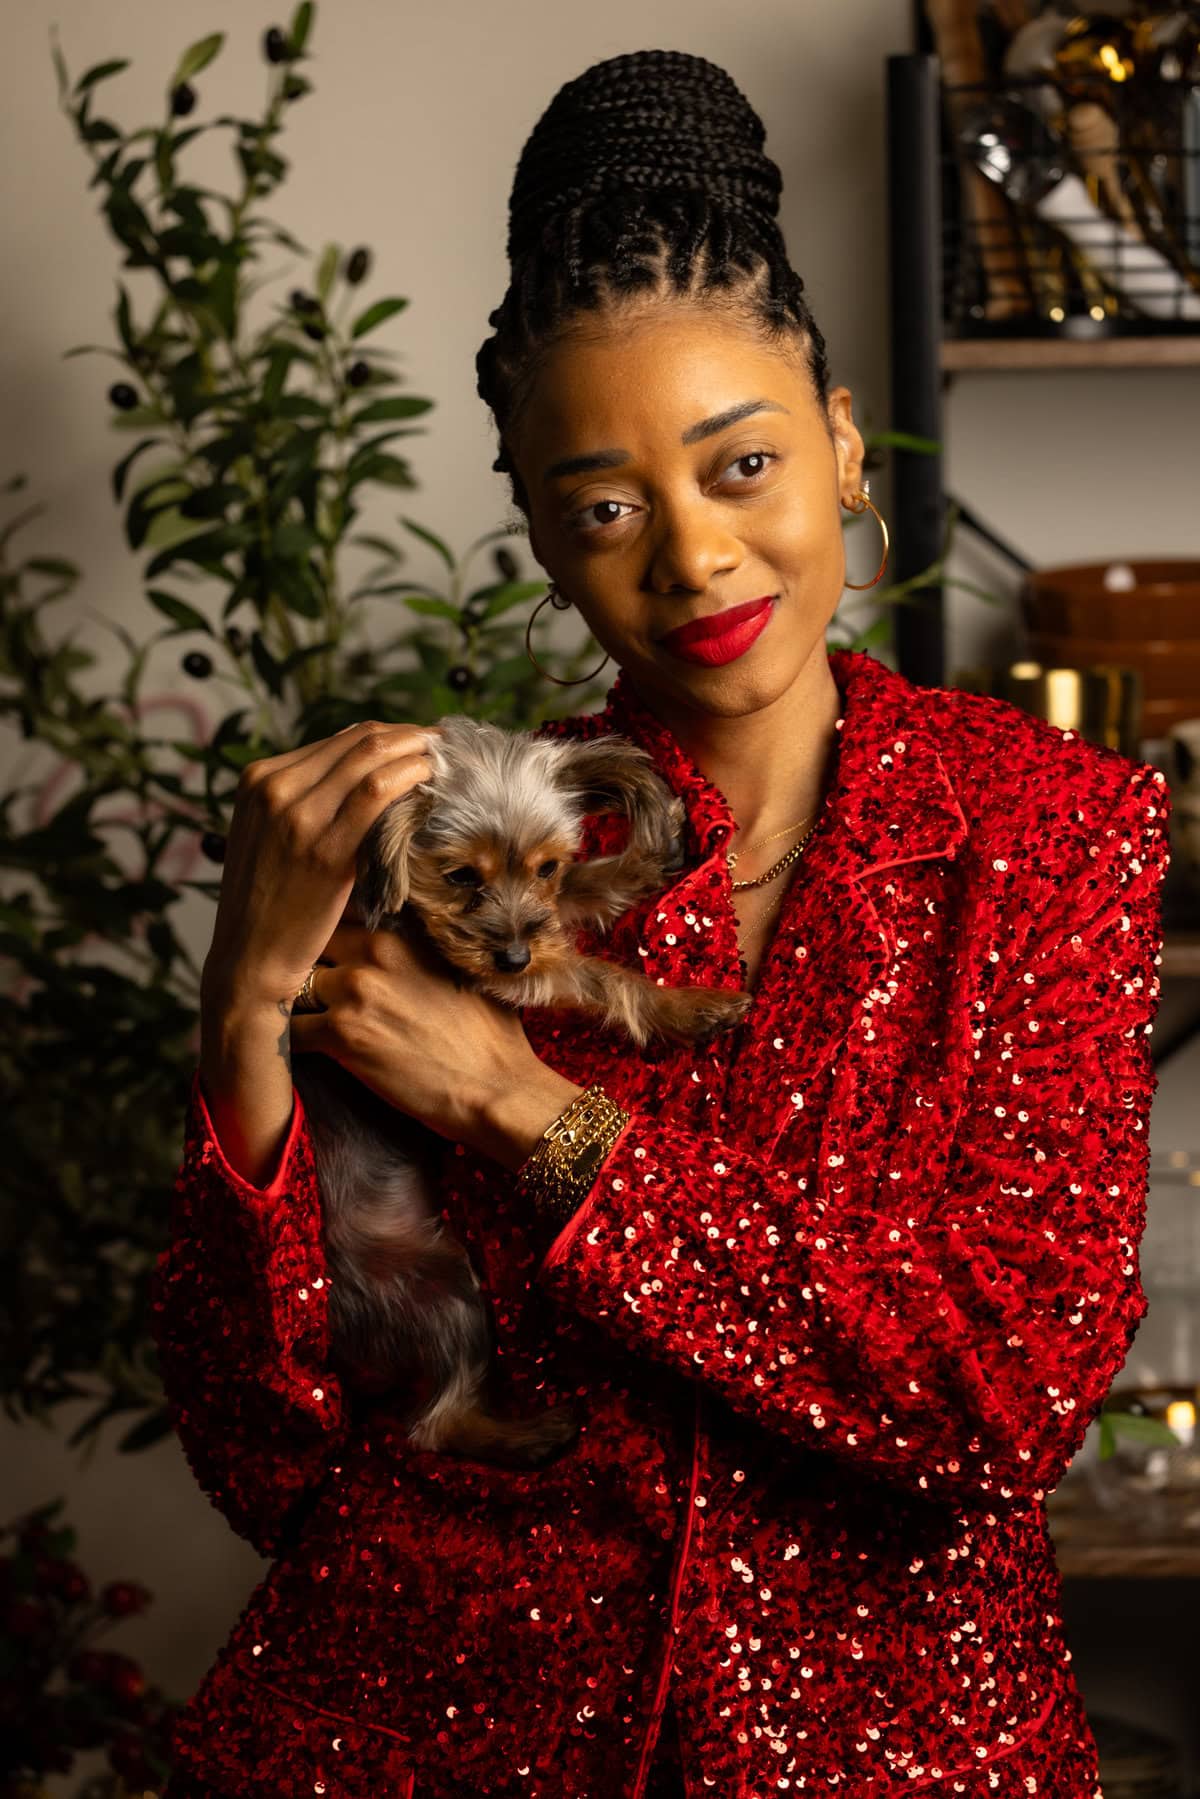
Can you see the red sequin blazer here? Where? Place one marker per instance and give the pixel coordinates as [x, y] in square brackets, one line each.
[838, 1309]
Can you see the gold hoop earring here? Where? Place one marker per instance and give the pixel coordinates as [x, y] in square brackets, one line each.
[863, 494]
[561, 604]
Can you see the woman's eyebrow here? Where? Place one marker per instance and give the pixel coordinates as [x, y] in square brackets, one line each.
[720, 421]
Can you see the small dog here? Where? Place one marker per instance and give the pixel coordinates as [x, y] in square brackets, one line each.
[479, 861]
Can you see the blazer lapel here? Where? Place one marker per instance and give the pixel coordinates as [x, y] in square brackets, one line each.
[890, 802]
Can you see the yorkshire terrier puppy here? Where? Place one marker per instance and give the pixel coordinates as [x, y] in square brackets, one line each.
[478, 862]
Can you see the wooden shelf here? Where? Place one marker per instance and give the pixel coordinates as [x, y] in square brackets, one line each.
[1127, 1561]
[1009, 353]
[1181, 953]
[1090, 1544]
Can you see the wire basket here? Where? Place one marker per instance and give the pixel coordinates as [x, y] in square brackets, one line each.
[1071, 209]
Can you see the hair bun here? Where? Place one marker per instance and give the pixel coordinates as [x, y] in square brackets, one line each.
[645, 122]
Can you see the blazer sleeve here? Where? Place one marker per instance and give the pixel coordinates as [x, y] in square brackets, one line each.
[964, 1351]
[239, 1316]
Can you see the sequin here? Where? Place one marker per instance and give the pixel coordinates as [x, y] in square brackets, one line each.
[838, 1309]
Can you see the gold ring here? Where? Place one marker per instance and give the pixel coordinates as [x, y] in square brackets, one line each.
[307, 999]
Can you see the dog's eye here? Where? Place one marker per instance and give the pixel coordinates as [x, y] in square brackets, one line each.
[464, 877]
[546, 870]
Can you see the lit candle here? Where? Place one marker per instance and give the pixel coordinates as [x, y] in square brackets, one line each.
[1181, 1418]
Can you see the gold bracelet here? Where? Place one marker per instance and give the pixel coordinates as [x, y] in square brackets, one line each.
[561, 1168]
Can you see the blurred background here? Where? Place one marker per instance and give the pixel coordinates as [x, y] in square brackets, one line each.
[262, 505]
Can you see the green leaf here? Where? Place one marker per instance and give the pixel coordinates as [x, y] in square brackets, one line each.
[396, 408]
[186, 617]
[508, 594]
[145, 1432]
[905, 440]
[375, 315]
[327, 268]
[293, 539]
[432, 608]
[123, 467]
[382, 545]
[60, 68]
[207, 549]
[197, 57]
[265, 663]
[276, 376]
[298, 588]
[100, 72]
[58, 566]
[301, 25]
[427, 536]
[124, 318]
[390, 471]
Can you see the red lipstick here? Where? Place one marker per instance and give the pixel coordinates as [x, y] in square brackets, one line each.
[721, 636]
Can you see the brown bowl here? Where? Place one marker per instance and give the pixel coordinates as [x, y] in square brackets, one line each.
[1074, 601]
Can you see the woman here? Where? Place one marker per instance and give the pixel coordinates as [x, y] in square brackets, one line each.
[839, 1291]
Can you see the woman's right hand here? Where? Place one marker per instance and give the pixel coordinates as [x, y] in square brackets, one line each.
[291, 854]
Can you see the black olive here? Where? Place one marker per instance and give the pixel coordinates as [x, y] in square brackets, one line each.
[459, 677]
[358, 374]
[357, 265]
[183, 99]
[236, 639]
[299, 301]
[212, 845]
[314, 329]
[198, 664]
[275, 45]
[123, 396]
[506, 562]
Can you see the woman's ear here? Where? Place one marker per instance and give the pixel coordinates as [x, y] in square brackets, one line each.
[382, 885]
[847, 441]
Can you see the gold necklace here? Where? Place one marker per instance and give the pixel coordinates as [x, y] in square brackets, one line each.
[731, 857]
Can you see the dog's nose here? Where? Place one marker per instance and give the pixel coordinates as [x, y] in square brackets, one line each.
[512, 958]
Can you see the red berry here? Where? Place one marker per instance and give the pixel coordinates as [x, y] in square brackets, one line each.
[125, 1680]
[124, 1598]
[89, 1667]
[66, 1579]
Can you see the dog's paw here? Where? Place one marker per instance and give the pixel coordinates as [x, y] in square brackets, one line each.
[690, 1014]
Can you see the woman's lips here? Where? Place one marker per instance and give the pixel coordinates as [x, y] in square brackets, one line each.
[734, 638]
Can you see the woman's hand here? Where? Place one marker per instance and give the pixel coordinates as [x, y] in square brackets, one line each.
[290, 866]
[292, 850]
[399, 1020]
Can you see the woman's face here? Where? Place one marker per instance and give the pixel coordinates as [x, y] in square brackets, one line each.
[645, 523]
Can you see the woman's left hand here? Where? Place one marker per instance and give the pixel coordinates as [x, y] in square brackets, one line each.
[397, 1019]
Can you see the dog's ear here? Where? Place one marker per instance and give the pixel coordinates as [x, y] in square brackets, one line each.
[613, 774]
[382, 885]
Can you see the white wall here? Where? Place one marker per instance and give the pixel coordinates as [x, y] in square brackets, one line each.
[409, 144]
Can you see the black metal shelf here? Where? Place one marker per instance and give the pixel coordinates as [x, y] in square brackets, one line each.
[926, 357]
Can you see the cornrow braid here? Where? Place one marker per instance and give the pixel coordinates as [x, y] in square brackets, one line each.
[645, 175]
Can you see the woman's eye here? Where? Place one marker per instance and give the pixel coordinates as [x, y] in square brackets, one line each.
[546, 870]
[464, 877]
[765, 457]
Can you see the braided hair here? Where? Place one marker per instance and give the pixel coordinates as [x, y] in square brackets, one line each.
[645, 175]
